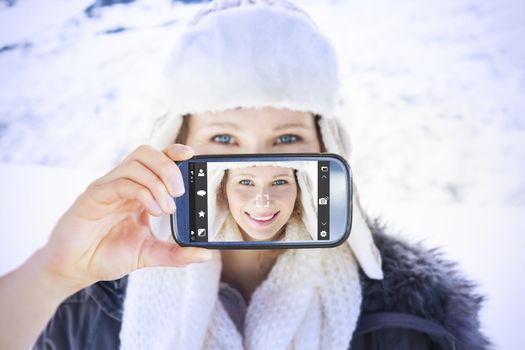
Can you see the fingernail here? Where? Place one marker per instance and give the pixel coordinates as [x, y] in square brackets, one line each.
[177, 185]
[170, 203]
[156, 208]
[183, 148]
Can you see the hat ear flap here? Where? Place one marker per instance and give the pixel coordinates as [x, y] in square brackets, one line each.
[165, 130]
[362, 243]
[335, 136]
[336, 140]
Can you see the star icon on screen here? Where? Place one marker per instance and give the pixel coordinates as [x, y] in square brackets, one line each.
[201, 214]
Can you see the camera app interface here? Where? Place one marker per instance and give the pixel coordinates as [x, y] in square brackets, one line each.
[257, 201]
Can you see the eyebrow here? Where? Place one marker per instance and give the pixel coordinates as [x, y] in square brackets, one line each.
[290, 125]
[282, 175]
[251, 175]
[280, 127]
[224, 124]
[237, 175]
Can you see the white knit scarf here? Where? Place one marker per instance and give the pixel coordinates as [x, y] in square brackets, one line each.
[310, 300]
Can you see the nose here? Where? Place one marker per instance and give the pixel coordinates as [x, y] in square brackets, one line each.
[256, 146]
[262, 201]
[262, 196]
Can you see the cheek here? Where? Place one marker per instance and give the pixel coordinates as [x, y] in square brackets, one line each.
[304, 147]
[285, 196]
[201, 144]
[205, 149]
[238, 197]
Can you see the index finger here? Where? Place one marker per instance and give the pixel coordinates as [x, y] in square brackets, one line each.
[176, 151]
[160, 163]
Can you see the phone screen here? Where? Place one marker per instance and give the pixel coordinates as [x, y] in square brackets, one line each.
[258, 200]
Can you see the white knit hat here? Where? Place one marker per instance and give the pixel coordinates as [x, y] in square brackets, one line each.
[254, 54]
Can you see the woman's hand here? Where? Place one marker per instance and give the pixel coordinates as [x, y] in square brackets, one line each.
[106, 234]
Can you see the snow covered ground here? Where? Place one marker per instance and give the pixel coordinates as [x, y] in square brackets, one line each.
[434, 100]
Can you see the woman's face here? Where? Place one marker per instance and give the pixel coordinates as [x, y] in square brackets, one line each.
[265, 130]
[261, 199]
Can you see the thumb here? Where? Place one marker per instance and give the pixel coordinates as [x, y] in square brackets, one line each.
[155, 252]
[143, 217]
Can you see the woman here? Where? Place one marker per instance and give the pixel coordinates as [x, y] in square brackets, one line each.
[259, 199]
[250, 77]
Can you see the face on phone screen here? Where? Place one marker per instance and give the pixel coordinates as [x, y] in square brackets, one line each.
[256, 201]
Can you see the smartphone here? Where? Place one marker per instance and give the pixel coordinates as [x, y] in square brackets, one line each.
[264, 201]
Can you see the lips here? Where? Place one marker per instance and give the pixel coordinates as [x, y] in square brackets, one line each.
[262, 220]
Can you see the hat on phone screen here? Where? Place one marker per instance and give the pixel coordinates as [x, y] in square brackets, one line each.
[255, 56]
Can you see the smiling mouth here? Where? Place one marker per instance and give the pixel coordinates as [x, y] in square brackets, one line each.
[262, 220]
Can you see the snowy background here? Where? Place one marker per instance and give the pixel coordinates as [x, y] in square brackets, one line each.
[434, 100]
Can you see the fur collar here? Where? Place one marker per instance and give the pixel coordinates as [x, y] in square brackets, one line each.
[419, 281]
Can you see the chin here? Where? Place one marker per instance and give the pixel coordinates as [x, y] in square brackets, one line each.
[262, 236]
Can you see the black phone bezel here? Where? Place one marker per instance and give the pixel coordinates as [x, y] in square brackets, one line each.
[272, 244]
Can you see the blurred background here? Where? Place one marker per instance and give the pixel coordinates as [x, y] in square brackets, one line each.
[434, 99]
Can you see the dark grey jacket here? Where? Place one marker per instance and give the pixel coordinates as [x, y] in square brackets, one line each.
[423, 302]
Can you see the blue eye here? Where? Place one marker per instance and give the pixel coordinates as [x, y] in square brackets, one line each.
[280, 182]
[288, 138]
[223, 138]
[245, 182]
